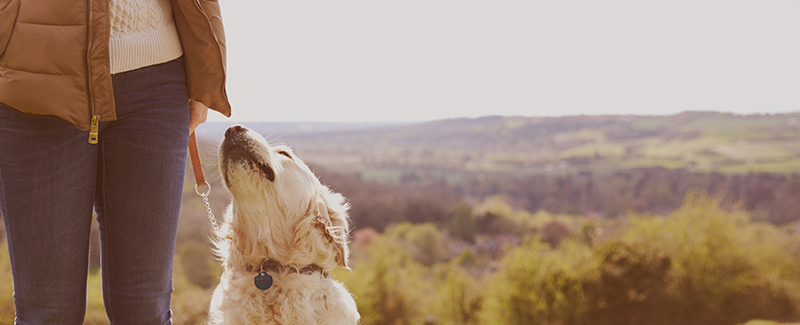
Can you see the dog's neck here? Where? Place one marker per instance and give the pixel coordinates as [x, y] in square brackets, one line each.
[248, 255]
[274, 267]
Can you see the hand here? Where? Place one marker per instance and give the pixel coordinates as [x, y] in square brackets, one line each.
[198, 113]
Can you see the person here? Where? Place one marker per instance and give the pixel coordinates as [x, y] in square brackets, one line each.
[97, 99]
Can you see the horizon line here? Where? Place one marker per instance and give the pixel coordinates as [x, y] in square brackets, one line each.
[233, 120]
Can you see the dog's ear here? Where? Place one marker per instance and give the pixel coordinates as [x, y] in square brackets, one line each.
[333, 216]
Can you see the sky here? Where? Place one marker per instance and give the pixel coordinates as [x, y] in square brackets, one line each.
[420, 60]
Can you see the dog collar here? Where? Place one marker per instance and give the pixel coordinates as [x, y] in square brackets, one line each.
[264, 280]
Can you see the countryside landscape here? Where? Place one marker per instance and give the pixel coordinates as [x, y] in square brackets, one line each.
[691, 218]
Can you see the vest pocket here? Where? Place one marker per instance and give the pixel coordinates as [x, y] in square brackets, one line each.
[8, 16]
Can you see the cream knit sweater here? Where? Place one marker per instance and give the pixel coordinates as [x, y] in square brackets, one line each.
[143, 33]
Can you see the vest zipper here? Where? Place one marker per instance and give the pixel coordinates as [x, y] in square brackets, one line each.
[93, 129]
[89, 87]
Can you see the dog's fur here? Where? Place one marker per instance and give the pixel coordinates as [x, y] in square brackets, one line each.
[280, 213]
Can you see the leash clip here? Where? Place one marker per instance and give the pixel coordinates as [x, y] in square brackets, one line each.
[200, 179]
[211, 217]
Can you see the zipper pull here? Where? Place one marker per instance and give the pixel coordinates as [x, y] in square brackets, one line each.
[93, 129]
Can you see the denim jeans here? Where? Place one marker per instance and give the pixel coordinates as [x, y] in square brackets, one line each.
[51, 178]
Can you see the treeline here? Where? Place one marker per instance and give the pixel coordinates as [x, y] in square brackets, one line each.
[771, 197]
[423, 198]
[701, 264]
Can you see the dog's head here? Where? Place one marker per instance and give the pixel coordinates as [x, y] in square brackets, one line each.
[280, 210]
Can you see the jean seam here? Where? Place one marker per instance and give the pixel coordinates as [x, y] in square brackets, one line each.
[103, 249]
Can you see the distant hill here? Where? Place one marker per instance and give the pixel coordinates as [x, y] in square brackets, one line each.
[698, 141]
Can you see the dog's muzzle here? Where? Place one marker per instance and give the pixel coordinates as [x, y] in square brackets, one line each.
[239, 147]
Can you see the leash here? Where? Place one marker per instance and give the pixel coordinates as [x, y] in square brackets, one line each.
[200, 179]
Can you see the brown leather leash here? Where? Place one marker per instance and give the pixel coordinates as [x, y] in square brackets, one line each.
[196, 166]
[200, 179]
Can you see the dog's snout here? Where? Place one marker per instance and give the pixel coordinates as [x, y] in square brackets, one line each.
[234, 130]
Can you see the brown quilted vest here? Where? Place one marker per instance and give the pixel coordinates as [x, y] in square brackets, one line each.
[54, 57]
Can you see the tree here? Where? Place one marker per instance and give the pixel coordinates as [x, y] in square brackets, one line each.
[462, 223]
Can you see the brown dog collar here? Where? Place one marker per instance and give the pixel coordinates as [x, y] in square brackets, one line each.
[275, 267]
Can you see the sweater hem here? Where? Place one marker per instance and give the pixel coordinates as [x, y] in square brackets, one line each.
[131, 52]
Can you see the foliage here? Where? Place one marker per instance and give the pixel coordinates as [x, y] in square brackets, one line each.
[462, 224]
[708, 261]
[425, 242]
[458, 296]
[196, 266]
[701, 265]
[537, 285]
[6, 287]
[724, 269]
[554, 232]
[189, 301]
[95, 308]
[388, 284]
[629, 285]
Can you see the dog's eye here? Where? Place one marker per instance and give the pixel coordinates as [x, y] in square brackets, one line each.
[285, 154]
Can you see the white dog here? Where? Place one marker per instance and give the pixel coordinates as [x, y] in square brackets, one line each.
[283, 233]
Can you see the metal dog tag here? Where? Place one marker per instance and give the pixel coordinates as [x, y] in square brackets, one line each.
[263, 281]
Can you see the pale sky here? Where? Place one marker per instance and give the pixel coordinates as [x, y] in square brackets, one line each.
[418, 60]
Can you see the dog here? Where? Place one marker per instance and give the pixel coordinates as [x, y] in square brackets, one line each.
[283, 233]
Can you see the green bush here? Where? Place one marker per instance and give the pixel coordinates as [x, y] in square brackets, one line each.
[458, 296]
[388, 284]
[462, 223]
[702, 264]
[424, 241]
[537, 285]
[629, 285]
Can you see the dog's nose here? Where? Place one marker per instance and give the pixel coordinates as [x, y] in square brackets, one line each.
[233, 130]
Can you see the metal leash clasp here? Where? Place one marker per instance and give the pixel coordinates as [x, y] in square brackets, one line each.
[204, 195]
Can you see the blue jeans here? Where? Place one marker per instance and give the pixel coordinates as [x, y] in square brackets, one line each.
[51, 178]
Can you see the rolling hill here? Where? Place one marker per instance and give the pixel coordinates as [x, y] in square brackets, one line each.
[464, 147]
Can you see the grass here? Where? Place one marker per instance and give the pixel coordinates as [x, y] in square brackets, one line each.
[736, 126]
[749, 151]
[652, 162]
[783, 167]
[651, 123]
[604, 149]
[681, 149]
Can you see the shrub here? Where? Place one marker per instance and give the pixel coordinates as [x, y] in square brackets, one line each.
[462, 224]
[554, 232]
[424, 241]
[700, 265]
[536, 285]
[388, 284]
[630, 285]
[458, 296]
[724, 269]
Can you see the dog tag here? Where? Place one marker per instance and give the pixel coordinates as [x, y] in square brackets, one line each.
[263, 280]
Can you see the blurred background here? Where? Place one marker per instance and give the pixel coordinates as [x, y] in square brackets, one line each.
[525, 162]
[682, 219]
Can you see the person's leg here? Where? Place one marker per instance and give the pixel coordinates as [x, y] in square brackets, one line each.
[47, 181]
[141, 168]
